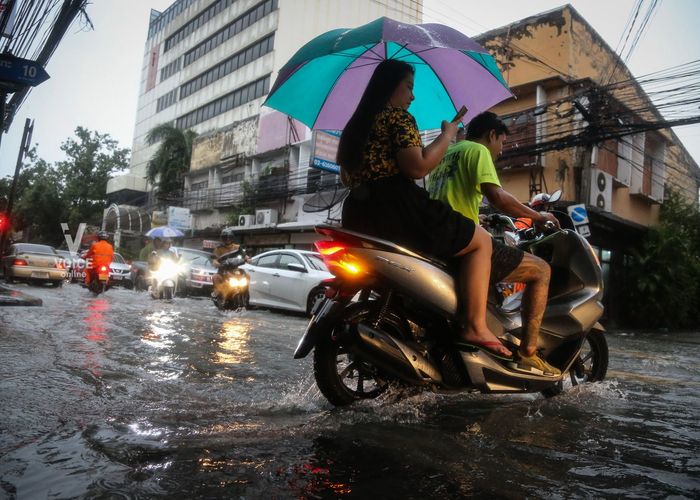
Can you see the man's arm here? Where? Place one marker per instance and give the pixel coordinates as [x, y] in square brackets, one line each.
[505, 202]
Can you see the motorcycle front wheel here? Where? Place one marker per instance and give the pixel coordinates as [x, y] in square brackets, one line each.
[591, 365]
[342, 376]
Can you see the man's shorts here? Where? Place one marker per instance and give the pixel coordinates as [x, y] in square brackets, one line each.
[504, 260]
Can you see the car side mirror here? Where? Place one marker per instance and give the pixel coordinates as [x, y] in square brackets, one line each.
[293, 266]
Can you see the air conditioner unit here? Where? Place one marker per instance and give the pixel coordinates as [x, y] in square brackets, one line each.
[246, 220]
[265, 217]
[601, 190]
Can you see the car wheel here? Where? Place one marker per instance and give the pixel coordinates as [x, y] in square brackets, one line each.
[317, 293]
[57, 284]
[8, 276]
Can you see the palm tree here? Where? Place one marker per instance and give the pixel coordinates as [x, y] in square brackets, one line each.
[171, 160]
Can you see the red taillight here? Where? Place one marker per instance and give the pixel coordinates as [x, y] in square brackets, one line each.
[60, 265]
[20, 262]
[338, 260]
[328, 249]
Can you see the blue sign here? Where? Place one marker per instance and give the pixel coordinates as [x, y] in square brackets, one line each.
[326, 165]
[578, 214]
[21, 71]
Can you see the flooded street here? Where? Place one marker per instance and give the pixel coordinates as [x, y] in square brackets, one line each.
[125, 396]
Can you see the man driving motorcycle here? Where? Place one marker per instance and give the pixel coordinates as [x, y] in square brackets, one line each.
[99, 254]
[228, 245]
[466, 174]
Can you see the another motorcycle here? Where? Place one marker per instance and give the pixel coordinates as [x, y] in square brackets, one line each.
[232, 291]
[164, 278]
[390, 317]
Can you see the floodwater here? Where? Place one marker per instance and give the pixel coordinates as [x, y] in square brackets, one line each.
[122, 396]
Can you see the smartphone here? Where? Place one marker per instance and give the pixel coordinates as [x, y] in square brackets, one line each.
[460, 114]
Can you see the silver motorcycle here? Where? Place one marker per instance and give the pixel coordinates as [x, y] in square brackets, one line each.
[390, 318]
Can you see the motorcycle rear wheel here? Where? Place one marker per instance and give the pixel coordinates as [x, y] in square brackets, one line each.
[341, 376]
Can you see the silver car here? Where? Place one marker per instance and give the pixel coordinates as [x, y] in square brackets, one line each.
[200, 275]
[120, 272]
[32, 262]
[287, 279]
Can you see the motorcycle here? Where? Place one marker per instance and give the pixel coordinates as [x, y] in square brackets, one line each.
[232, 291]
[99, 280]
[164, 278]
[390, 316]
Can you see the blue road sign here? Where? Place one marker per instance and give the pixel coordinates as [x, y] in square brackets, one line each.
[20, 71]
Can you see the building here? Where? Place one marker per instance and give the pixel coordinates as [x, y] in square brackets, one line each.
[582, 123]
[208, 66]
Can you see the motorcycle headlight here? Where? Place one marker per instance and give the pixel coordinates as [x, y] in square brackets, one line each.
[235, 282]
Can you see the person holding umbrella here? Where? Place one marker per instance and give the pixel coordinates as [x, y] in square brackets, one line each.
[381, 154]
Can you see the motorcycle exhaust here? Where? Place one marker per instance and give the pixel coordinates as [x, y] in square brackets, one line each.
[393, 356]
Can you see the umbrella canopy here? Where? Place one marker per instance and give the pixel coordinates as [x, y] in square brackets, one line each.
[323, 82]
[164, 232]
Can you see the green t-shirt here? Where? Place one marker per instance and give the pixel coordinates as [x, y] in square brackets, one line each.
[457, 179]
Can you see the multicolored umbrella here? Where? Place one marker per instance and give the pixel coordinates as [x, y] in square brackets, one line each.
[323, 82]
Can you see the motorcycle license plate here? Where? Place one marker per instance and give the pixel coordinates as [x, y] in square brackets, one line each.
[103, 277]
[40, 274]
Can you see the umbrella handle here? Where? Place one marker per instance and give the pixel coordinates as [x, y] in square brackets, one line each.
[460, 114]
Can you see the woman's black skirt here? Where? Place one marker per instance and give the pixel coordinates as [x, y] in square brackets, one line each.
[396, 209]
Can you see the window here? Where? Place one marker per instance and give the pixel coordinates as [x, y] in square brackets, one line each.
[267, 261]
[239, 96]
[286, 258]
[233, 28]
[257, 49]
[230, 178]
[316, 262]
[196, 186]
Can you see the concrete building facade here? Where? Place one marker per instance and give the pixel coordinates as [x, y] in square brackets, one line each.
[208, 66]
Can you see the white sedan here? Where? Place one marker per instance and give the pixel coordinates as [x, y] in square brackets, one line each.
[287, 279]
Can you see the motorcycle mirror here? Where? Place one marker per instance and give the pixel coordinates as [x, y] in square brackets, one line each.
[555, 196]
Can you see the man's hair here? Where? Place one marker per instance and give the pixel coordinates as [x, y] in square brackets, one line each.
[482, 124]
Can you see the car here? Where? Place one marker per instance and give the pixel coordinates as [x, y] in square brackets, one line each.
[287, 279]
[199, 274]
[120, 272]
[33, 262]
[71, 262]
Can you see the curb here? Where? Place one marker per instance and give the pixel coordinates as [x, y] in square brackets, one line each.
[9, 297]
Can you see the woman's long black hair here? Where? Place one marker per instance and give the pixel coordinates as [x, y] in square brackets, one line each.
[381, 86]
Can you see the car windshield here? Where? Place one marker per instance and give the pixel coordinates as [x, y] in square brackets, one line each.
[202, 260]
[190, 253]
[118, 259]
[32, 248]
[315, 262]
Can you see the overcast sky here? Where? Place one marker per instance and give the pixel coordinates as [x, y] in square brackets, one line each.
[95, 73]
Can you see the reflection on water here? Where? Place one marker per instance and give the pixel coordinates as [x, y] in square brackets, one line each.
[233, 347]
[95, 321]
[161, 326]
[179, 400]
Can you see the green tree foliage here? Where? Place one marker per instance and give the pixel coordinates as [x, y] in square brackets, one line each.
[171, 160]
[92, 158]
[664, 273]
[40, 207]
[73, 190]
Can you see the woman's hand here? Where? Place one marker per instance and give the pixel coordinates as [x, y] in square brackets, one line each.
[449, 128]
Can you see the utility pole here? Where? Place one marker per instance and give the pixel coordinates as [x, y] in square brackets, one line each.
[23, 148]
